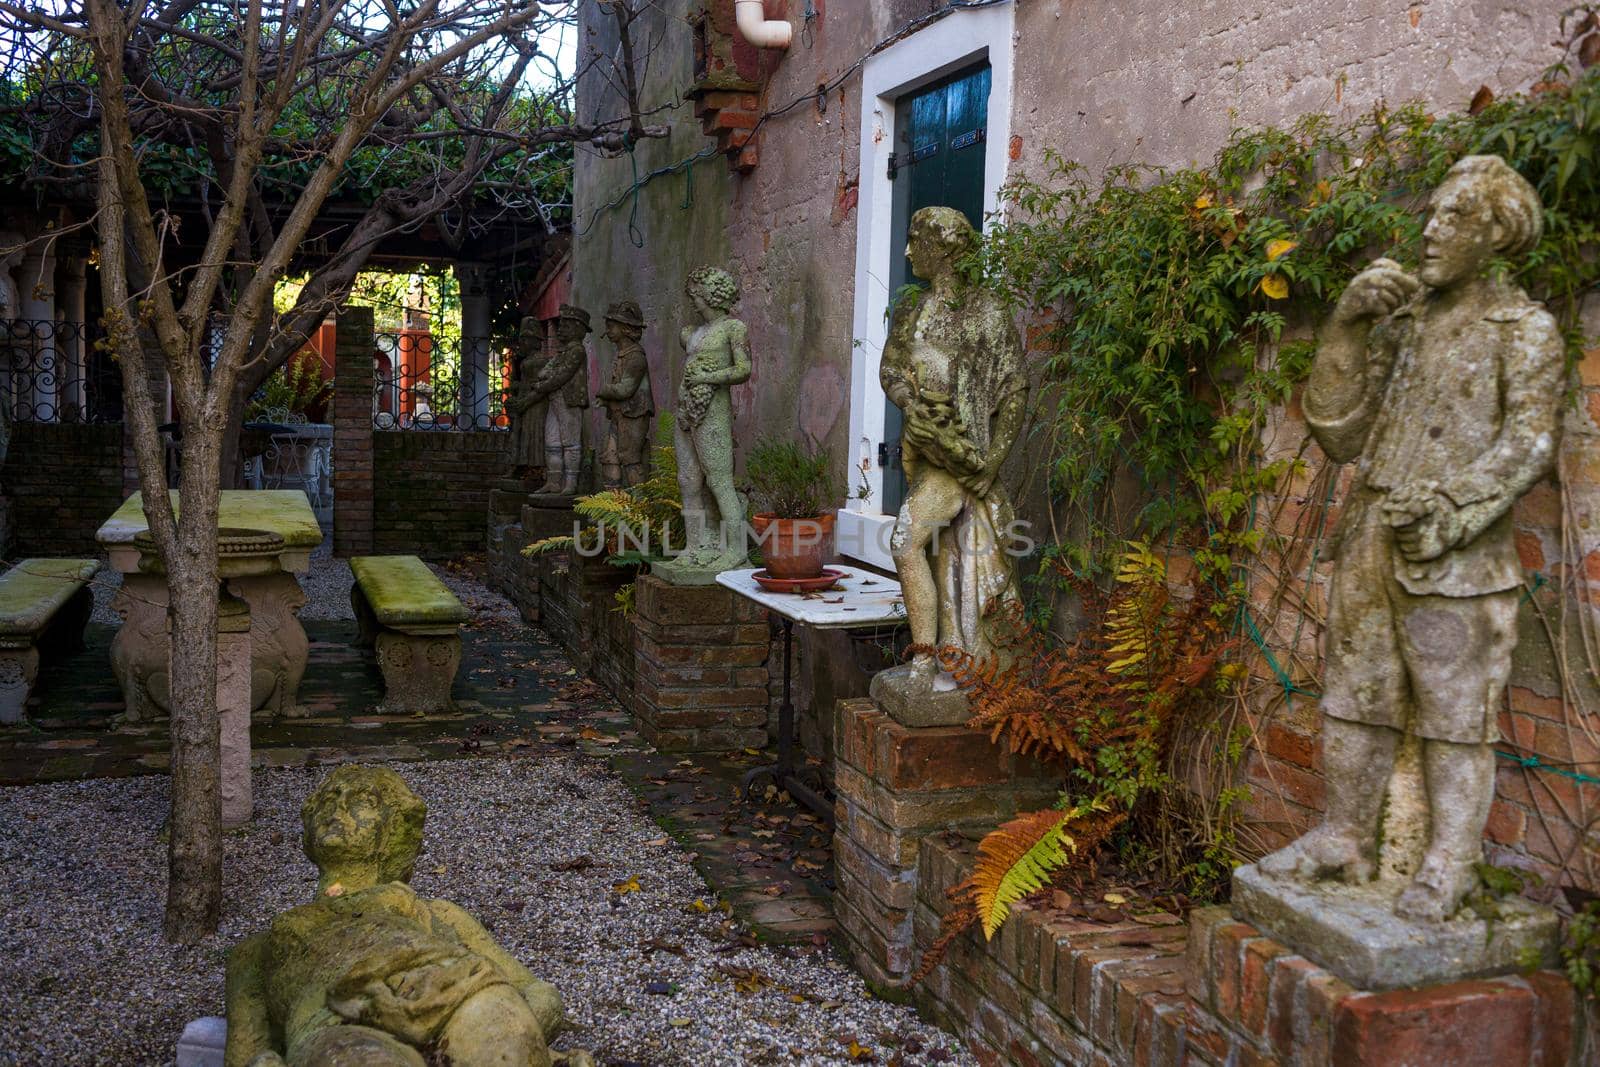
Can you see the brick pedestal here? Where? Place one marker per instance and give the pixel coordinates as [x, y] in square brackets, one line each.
[700, 664]
[1252, 1000]
[897, 786]
[352, 434]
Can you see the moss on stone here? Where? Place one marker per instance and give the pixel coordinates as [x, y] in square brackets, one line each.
[404, 592]
[34, 590]
[285, 512]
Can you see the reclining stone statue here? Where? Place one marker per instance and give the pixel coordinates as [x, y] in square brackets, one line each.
[370, 972]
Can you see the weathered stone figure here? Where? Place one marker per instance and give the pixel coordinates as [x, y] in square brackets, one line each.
[565, 381]
[953, 365]
[527, 409]
[370, 973]
[629, 402]
[1444, 387]
[718, 358]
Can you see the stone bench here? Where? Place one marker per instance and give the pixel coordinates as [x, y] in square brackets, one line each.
[414, 623]
[44, 605]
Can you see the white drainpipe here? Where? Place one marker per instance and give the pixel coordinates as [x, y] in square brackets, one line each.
[753, 24]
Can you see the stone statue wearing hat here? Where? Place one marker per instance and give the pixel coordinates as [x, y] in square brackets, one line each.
[565, 381]
[370, 972]
[1444, 387]
[627, 397]
[528, 409]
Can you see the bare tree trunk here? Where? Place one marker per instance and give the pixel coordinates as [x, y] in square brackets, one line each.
[194, 852]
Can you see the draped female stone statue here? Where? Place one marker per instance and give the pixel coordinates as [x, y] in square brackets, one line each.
[953, 365]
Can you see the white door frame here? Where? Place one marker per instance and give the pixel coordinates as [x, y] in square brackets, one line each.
[960, 39]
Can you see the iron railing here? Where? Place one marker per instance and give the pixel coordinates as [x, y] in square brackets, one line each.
[421, 382]
[52, 372]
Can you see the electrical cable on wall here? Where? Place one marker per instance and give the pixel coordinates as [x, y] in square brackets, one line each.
[821, 91]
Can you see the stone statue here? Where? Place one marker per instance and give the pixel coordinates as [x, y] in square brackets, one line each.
[1444, 386]
[564, 380]
[717, 358]
[953, 365]
[370, 972]
[628, 399]
[527, 409]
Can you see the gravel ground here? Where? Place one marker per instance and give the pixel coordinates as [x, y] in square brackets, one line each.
[657, 976]
[86, 978]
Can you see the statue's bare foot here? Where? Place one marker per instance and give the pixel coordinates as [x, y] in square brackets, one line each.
[1436, 891]
[1321, 853]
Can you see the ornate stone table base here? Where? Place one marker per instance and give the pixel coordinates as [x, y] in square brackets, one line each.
[1354, 932]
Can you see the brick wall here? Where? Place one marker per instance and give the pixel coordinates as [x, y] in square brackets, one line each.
[1159, 992]
[62, 482]
[352, 433]
[430, 491]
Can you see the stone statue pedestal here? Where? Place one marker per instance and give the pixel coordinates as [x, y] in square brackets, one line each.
[1354, 933]
[909, 703]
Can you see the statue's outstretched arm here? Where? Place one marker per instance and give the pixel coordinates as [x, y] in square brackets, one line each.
[249, 1027]
[541, 996]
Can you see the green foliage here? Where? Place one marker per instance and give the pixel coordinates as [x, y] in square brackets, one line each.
[790, 480]
[635, 524]
[1176, 301]
[297, 387]
[1580, 950]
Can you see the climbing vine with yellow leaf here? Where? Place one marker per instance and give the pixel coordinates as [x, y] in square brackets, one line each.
[1177, 303]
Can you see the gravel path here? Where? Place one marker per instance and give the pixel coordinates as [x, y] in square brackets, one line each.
[86, 978]
[657, 976]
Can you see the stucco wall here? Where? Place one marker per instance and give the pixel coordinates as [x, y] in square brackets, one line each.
[1142, 81]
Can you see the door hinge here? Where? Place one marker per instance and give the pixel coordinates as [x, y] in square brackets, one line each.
[970, 138]
[888, 455]
[898, 160]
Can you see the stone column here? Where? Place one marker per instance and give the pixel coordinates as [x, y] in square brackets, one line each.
[354, 381]
[474, 280]
[36, 282]
[71, 283]
[233, 708]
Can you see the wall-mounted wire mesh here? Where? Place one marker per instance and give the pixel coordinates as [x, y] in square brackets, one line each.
[51, 372]
[424, 382]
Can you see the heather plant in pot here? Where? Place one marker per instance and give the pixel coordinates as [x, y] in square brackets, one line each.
[793, 491]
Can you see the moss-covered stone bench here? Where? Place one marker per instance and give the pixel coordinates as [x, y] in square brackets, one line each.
[44, 605]
[414, 623]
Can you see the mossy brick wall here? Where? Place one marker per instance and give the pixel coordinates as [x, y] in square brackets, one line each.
[1160, 991]
[897, 787]
[63, 481]
[430, 490]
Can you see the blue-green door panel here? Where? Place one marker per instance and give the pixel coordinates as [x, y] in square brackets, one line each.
[939, 148]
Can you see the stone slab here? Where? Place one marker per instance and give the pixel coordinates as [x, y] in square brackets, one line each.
[203, 1042]
[680, 571]
[861, 599]
[1353, 932]
[34, 590]
[938, 708]
[552, 500]
[405, 594]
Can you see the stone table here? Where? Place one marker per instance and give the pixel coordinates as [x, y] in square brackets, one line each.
[857, 601]
[265, 581]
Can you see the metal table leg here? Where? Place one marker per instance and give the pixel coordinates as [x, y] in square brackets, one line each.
[782, 774]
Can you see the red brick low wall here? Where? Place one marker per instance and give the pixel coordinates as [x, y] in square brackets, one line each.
[430, 490]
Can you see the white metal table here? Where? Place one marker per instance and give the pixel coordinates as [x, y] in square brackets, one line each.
[859, 599]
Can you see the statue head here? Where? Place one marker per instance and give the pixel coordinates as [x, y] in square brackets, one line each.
[363, 827]
[1482, 209]
[572, 324]
[939, 237]
[713, 290]
[530, 336]
[624, 322]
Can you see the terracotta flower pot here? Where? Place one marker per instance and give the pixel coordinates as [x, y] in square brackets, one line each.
[793, 548]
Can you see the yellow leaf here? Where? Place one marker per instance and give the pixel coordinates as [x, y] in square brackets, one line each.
[632, 885]
[335, 890]
[700, 906]
[1202, 202]
[1115, 898]
[1279, 247]
[1275, 286]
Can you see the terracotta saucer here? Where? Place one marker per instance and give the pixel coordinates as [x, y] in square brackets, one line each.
[823, 581]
